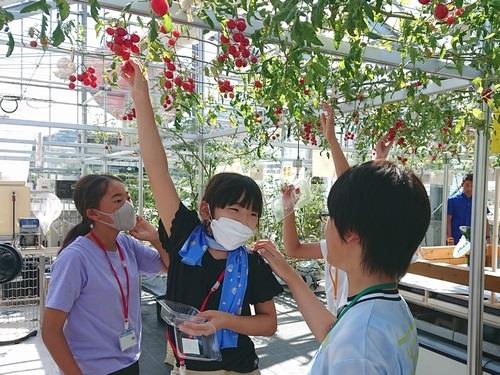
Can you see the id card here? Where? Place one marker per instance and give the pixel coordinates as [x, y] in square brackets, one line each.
[127, 339]
[190, 346]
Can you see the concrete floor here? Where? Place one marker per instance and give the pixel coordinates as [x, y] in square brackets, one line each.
[287, 352]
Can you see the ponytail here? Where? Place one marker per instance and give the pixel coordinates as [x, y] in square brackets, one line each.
[78, 230]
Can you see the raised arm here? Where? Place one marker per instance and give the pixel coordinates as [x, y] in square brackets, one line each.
[317, 317]
[151, 147]
[382, 147]
[291, 242]
[328, 129]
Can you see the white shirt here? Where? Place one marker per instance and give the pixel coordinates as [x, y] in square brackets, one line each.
[377, 335]
[336, 295]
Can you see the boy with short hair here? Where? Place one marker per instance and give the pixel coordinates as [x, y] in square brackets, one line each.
[378, 215]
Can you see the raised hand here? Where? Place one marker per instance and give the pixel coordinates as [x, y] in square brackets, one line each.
[289, 198]
[133, 72]
[328, 123]
[144, 231]
[274, 258]
[382, 147]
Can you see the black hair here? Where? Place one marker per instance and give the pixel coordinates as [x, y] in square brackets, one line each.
[88, 192]
[388, 208]
[468, 177]
[227, 188]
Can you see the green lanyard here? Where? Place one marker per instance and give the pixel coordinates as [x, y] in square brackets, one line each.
[363, 293]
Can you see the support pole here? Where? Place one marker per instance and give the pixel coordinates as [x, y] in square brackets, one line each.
[478, 242]
[494, 247]
[444, 204]
[200, 77]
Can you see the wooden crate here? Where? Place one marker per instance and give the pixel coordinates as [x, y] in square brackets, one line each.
[453, 273]
[444, 254]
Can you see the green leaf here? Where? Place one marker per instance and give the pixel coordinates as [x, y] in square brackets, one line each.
[460, 66]
[436, 80]
[57, 35]
[94, 10]
[5, 17]
[140, 21]
[63, 7]
[459, 3]
[33, 7]
[287, 13]
[373, 35]
[442, 53]
[413, 54]
[317, 13]
[495, 3]
[478, 113]
[43, 31]
[200, 118]
[309, 34]
[153, 31]
[477, 82]
[320, 69]
[204, 16]
[10, 44]
[126, 8]
[98, 27]
[368, 10]
[167, 23]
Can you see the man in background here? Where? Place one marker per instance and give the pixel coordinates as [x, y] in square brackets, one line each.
[460, 212]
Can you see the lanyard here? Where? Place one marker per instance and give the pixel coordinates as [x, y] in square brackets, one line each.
[203, 306]
[213, 289]
[124, 299]
[363, 293]
[334, 281]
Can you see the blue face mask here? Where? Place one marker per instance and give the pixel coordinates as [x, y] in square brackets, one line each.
[123, 218]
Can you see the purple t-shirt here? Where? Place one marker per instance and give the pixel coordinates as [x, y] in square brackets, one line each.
[83, 285]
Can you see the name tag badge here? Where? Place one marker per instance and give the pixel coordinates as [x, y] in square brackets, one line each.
[190, 346]
[127, 339]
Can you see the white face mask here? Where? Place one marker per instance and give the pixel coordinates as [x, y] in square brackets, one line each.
[230, 233]
[123, 218]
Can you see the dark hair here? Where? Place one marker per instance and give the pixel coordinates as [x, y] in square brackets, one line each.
[88, 192]
[225, 189]
[468, 177]
[388, 208]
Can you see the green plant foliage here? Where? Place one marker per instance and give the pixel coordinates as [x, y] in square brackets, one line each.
[295, 70]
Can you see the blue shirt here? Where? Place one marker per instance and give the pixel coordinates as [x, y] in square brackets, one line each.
[460, 210]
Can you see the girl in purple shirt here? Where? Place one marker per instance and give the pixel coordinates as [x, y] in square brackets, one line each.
[92, 320]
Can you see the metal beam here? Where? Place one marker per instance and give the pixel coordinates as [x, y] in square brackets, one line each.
[398, 96]
[371, 54]
[65, 125]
